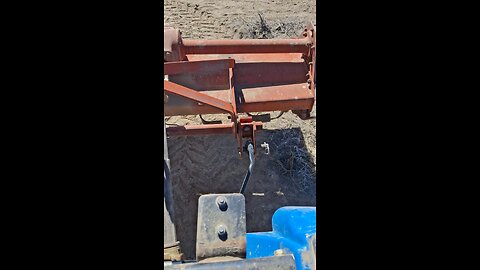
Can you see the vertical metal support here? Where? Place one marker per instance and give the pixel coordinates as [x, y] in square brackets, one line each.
[171, 247]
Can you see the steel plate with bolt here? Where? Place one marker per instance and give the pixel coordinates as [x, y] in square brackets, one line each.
[221, 226]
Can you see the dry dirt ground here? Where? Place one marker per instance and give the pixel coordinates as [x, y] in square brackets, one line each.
[210, 164]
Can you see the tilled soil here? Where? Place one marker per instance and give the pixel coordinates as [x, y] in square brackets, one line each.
[210, 164]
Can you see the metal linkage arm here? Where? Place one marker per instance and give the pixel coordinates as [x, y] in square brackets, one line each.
[191, 94]
[251, 155]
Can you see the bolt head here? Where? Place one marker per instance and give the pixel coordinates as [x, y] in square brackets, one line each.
[222, 232]
[222, 203]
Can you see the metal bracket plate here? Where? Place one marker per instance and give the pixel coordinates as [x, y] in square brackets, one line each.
[221, 226]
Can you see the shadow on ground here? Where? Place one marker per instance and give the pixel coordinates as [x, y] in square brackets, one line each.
[210, 164]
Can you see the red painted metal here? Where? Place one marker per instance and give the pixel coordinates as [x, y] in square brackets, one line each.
[251, 57]
[188, 93]
[238, 76]
[247, 46]
[211, 129]
[175, 68]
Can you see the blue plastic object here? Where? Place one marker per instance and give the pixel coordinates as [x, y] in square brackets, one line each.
[294, 231]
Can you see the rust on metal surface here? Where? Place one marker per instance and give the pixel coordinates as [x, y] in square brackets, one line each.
[186, 92]
[174, 68]
[192, 130]
[236, 248]
[172, 253]
[238, 76]
[247, 46]
[252, 57]
[172, 45]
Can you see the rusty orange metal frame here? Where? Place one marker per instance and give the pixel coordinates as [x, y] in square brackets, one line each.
[175, 68]
[247, 46]
[191, 130]
[188, 93]
[237, 76]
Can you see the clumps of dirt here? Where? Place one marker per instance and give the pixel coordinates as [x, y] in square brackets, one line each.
[260, 27]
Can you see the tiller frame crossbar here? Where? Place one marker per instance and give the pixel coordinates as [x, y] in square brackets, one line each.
[263, 75]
